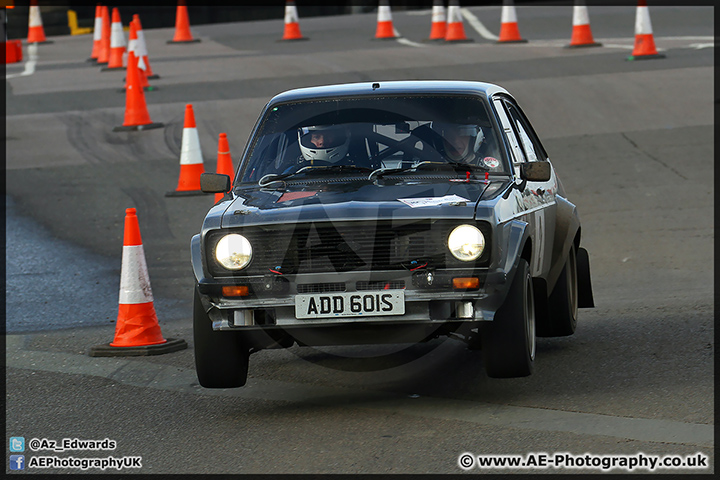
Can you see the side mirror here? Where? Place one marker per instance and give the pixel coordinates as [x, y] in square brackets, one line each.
[535, 171]
[214, 183]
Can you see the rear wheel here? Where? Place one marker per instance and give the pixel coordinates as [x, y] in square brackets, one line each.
[508, 342]
[221, 358]
[563, 301]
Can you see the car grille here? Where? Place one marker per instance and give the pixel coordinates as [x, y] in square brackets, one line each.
[347, 246]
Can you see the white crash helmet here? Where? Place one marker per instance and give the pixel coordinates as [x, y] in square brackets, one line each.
[335, 147]
[464, 130]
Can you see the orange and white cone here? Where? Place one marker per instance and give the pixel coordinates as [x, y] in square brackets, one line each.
[581, 34]
[224, 161]
[36, 32]
[104, 53]
[137, 331]
[97, 34]
[292, 25]
[133, 48]
[191, 161]
[137, 116]
[385, 28]
[141, 51]
[182, 25]
[455, 30]
[644, 41]
[438, 24]
[509, 31]
[117, 43]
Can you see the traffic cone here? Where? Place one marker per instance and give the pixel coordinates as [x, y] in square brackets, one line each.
[104, 53]
[191, 161]
[136, 113]
[509, 32]
[97, 34]
[292, 27]
[644, 40]
[182, 25]
[117, 43]
[224, 161]
[438, 25]
[455, 29]
[385, 28]
[142, 49]
[581, 34]
[36, 32]
[133, 48]
[137, 331]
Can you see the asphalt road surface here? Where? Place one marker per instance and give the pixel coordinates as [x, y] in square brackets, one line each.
[633, 145]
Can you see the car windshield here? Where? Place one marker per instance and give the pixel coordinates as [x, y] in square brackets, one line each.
[370, 134]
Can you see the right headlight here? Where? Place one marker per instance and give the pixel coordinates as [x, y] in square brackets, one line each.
[466, 243]
[233, 252]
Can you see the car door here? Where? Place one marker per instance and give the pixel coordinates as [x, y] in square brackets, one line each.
[538, 198]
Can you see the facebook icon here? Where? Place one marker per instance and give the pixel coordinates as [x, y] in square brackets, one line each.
[17, 462]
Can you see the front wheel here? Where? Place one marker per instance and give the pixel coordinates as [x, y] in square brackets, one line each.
[508, 342]
[221, 358]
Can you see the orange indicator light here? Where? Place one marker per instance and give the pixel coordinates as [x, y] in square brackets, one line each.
[466, 282]
[235, 291]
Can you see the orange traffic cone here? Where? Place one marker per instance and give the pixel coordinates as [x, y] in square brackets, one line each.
[385, 28]
[292, 25]
[142, 48]
[136, 113]
[117, 43]
[438, 25]
[644, 41]
[36, 32]
[509, 32]
[97, 34]
[455, 29]
[182, 25]
[137, 331]
[191, 161]
[104, 53]
[224, 161]
[134, 48]
[581, 34]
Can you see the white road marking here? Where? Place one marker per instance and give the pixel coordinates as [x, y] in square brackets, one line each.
[409, 43]
[32, 50]
[477, 25]
[136, 372]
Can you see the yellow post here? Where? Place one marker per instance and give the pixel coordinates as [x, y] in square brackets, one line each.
[73, 24]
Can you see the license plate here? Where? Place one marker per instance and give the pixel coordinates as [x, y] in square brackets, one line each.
[350, 304]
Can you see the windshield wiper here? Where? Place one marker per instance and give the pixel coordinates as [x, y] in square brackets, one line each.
[465, 167]
[275, 177]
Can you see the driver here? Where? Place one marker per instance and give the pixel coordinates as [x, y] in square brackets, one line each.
[327, 144]
[461, 143]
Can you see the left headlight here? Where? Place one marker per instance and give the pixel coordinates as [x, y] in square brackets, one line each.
[466, 243]
[233, 252]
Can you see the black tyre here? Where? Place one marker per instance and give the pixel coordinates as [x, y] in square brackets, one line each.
[563, 301]
[508, 342]
[221, 358]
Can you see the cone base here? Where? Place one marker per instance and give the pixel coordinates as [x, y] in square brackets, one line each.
[42, 42]
[522, 40]
[460, 40]
[645, 57]
[148, 126]
[293, 39]
[194, 40]
[92, 60]
[385, 38]
[153, 76]
[185, 193]
[105, 69]
[172, 345]
[581, 45]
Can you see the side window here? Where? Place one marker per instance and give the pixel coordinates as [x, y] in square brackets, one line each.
[531, 145]
[506, 122]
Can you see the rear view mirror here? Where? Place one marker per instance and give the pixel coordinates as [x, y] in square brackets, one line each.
[214, 183]
[535, 171]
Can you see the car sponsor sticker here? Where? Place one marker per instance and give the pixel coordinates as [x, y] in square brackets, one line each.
[432, 201]
[491, 162]
[350, 304]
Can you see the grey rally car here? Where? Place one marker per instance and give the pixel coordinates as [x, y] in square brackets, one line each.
[389, 212]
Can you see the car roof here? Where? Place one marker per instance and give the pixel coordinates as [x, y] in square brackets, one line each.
[389, 88]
